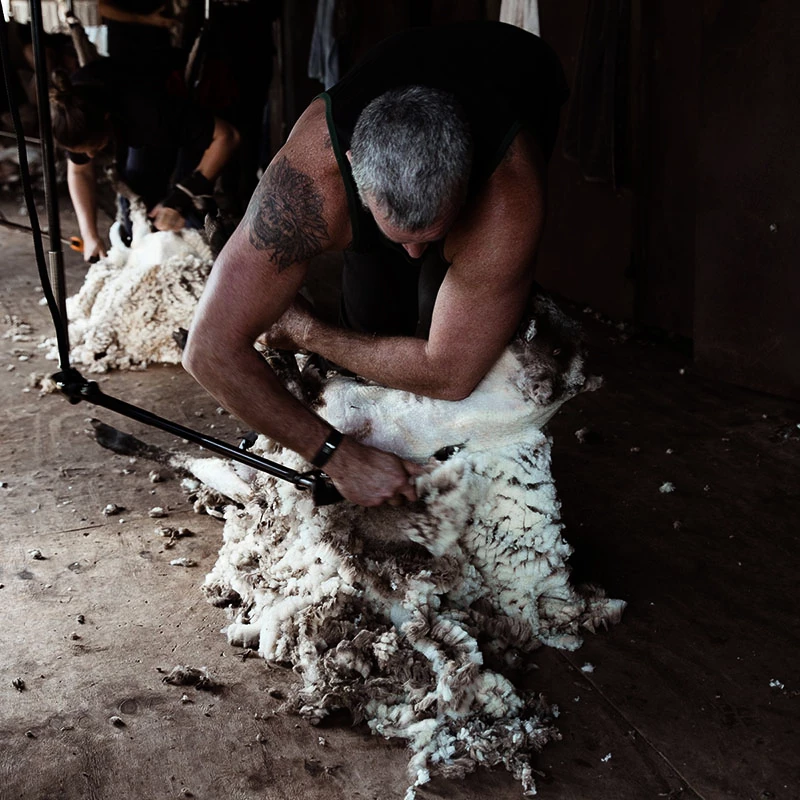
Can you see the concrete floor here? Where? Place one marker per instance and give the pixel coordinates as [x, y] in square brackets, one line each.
[693, 695]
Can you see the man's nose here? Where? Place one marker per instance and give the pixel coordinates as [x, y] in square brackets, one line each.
[415, 250]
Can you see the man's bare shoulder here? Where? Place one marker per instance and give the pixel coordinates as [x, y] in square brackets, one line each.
[309, 147]
[517, 183]
[523, 161]
[299, 208]
[505, 218]
[310, 136]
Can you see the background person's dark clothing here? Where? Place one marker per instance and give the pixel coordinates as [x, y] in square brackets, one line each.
[18, 37]
[506, 79]
[155, 134]
[230, 75]
[142, 47]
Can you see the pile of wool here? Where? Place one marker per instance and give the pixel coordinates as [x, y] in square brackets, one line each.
[134, 300]
[9, 164]
[408, 617]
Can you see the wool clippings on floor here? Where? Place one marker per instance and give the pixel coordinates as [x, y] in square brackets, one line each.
[134, 300]
[408, 617]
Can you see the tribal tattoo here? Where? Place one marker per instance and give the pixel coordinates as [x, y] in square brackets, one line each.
[285, 216]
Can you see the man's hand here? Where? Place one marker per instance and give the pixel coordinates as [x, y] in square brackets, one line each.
[371, 477]
[166, 218]
[291, 330]
[94, 248]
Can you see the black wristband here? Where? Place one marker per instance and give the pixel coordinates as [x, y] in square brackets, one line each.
[197, 185]
[179, 200]
[328, 448]
[194, 192]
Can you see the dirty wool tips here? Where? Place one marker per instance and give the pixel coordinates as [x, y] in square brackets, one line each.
[134, 300]
[412, 618]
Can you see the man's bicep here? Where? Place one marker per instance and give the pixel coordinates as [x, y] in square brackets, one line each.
[473, 322]
[246, 292]
[285, 218]
[486, 290]
[263, 265]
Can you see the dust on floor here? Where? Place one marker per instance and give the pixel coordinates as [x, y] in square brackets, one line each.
[694, 694]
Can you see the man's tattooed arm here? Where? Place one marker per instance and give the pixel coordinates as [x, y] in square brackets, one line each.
[285, 216]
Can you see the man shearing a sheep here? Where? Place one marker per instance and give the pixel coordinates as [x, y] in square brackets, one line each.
[425, 166]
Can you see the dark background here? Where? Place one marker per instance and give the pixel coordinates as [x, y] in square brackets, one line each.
[692, 237]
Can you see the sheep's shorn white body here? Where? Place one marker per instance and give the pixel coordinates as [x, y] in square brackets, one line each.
[135, 298]
[393, 613]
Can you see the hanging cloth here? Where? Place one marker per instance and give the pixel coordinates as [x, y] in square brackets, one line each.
[323, 60]
[596, 134]
[522, 13]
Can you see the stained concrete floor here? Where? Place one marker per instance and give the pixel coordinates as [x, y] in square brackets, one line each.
[694, 695]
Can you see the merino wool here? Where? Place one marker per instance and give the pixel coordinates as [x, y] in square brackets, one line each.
[408, 617]
[134, 299]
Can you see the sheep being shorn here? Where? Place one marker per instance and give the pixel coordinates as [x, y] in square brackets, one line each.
[134, 300]
[407, 616]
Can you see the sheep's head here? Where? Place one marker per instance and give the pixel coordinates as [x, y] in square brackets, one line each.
[551, 350]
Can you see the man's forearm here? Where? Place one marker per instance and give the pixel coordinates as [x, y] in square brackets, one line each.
[399, 362]
[247, 387]
[107, 11]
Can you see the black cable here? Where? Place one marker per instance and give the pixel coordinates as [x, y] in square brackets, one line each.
[55, 255]
[77, 388]
[25, 176]
[45, 124]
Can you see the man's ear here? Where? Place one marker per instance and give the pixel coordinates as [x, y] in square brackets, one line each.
[349, 155]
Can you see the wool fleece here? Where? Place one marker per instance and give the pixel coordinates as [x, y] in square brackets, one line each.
[411, 618]
[134, 300]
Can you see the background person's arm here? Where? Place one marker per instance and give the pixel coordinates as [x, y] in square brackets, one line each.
[155, 19]
[224, 142]
[83, 192]
[169, 214]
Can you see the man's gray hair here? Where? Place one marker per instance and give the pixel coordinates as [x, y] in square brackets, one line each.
[411, 154]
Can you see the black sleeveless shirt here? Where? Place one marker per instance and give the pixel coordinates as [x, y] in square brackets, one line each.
[504, 77]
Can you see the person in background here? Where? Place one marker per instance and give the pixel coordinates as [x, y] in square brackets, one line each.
[230, 73]
[167, 150]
